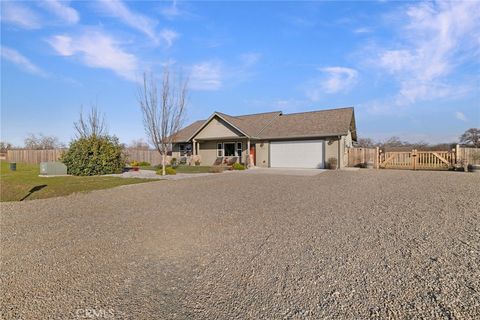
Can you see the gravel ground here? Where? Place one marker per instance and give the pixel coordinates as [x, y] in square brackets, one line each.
[150, 174]
[363, 244]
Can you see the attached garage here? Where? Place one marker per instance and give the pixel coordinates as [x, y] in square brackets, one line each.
[297, 154]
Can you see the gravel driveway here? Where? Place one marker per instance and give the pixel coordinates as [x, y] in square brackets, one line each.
[363, 244]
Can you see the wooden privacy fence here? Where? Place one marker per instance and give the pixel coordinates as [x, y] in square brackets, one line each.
[467, 155]
[151, 156]
[33, 156]
[361, 157]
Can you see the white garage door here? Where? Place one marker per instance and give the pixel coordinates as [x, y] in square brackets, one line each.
[297, 154]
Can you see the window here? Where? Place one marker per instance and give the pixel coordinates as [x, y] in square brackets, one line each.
[185, 149]
[219, 150]
[229, 149]
[239, 149]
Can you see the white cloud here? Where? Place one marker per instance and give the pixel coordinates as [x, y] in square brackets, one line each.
[460, 116]
[17, 58]
[97, 50]
[250, 59]
[363, 30]
[206, 75]
[172, 11]
[142, 23]
[333, 80]
[436, 38]
[339, 79]
[19, 15]
[62, 11]
[168, 36]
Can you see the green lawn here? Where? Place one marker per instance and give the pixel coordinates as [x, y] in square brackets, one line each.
[16, 185]
[185, 169]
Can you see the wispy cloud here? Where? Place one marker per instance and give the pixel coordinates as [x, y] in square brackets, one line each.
[460, 116]
[250, 59]
[142, 23]
[206, 75]
[363, 30]
[97, 50]
[20, 15]
[62, 10]
[436, 38]
[17, 58]
[213, 74]
[333, 80]
[168, 36]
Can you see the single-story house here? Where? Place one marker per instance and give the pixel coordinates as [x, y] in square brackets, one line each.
[272, 139]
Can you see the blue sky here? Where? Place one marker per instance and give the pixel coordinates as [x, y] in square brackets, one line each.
[410, 69]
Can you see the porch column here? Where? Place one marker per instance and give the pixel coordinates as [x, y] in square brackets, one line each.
[194, 147]
[248, 154]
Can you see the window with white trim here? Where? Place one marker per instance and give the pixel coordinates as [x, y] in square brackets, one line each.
[239, 149]
[219, 150]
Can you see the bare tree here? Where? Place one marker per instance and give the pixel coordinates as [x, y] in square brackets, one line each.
[366, 143]
[42, 142]
[163, 114]
[4, 146]
[471, 136]
[92, 124]
[139, 145]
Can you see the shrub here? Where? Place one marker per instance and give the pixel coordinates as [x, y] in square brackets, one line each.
[216, 169]
[94, 155]
[144, 164]
[134, 163]
[168, 171]
[197, 162]
[238, 166]
[332, 163]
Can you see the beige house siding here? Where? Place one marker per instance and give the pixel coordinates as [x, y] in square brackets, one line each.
[217, 128]
[208, 150]
[261, 154]
[331, 150]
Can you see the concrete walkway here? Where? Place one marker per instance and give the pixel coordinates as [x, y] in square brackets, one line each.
[285, 171]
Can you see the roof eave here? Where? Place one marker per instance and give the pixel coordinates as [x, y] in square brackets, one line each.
[210, 119]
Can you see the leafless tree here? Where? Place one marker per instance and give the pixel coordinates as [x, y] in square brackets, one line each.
[42, 142]
[366, 143]
[93, 124]
[471, 137]
[139, 144]
[163, 112]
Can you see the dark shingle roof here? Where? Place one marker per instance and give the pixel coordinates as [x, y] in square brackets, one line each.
[310, 124]
[184, 134]
[275, 125]
[251, 124]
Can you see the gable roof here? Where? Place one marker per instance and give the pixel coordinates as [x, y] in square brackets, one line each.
[184, 134]
[275, 125]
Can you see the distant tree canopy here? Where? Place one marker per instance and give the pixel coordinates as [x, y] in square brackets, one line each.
[139, 144]
[395, 143]
[4, 146]
[471, 137]
[42, 142]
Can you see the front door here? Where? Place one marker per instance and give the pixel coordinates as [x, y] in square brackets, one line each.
[252, 152]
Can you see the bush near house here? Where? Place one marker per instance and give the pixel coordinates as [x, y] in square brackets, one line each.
[332, 163]
[94, 155]
[144, 164]
[238, 166]
[168, 171]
